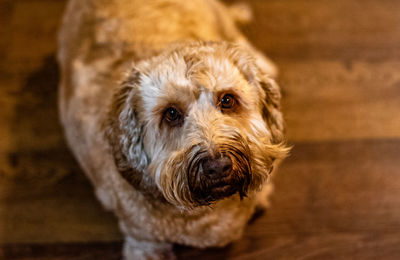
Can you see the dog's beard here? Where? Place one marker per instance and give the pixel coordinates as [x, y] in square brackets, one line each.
[181, 179]
[206, 189]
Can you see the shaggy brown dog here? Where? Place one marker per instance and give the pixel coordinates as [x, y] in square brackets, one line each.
[181, 145]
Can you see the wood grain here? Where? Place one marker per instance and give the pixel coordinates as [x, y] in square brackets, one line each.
[337, 195]
[332, 100]
[332, 199]
[339, 30]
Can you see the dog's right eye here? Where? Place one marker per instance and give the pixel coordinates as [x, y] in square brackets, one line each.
[173, 116]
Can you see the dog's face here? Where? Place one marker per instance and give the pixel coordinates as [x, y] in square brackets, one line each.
[196, 125]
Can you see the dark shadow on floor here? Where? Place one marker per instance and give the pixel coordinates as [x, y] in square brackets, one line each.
[40, 152]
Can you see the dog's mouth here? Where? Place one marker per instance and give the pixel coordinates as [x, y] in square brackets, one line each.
[210, 191]
[232, 178]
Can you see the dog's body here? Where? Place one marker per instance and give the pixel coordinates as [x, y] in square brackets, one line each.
[127, 137]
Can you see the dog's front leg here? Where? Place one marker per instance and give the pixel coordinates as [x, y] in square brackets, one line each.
[263, 197]
[146, 250]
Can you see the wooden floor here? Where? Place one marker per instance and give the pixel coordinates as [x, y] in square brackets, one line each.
[337, 196]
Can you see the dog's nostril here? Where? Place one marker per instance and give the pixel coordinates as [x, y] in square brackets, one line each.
[211, 172]
[227, 168]
[218, 167]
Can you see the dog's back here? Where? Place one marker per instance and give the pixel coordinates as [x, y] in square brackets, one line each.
[98, 42]
[140, 29]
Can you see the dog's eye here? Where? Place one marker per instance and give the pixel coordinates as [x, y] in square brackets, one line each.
[227, 102]
[173, 116]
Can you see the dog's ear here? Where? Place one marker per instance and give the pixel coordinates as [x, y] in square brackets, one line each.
[124, 132]
[270, 96]
[271, 108]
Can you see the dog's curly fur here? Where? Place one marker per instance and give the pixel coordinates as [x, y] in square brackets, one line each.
[149, 169]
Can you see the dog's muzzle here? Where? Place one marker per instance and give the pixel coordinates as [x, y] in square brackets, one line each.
[216, 177]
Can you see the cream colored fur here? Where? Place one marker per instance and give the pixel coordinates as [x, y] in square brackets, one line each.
[122, 63]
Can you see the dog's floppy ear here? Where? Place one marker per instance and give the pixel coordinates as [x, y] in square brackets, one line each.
[124, 132]
[271, 108]
[269, 91]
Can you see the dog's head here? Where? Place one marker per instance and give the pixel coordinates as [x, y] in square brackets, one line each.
[196, 124]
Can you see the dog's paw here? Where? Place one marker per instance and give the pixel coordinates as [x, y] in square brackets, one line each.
[263, 202]
[144, 250]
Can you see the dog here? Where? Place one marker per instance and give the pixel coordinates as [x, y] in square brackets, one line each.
[174, 117]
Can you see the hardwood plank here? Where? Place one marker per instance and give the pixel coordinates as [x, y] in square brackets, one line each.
[52, 203]
[336, 246]
[6, 10]
[29, 118]
[341, 29]
[330, 100]
[107, 251]
[339, 186]
[326, 190]
[7, 102]
[35, 123]
[321, 246]
[32, 34]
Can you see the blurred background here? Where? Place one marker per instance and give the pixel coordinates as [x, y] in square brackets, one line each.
[337, 195]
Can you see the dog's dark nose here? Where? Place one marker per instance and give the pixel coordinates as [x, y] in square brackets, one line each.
[220, 167]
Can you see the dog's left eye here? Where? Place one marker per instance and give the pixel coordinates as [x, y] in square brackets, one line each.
[227, 102]
[173, 116]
